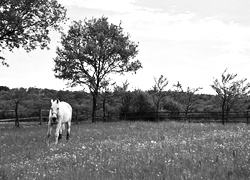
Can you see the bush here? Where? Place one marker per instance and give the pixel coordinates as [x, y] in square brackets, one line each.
[173, 107]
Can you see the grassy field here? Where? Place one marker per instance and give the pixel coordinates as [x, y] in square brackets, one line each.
[128, 150]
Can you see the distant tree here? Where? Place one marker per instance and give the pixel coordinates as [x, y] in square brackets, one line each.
[91, 51]
[229, 91]
[173, 106]
[178, 87]
[106, 93]
[16, 95]
[26, 23]
[33, 99]
[187, 98]
[66, 96]
[124, 97]
[141, 102]
[4, 88]
[158, 92]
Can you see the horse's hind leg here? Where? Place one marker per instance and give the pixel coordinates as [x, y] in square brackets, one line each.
[68, 130]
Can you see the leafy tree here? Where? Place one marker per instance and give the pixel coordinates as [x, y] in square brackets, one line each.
[91, 51]
[229, 91]
[26, 23]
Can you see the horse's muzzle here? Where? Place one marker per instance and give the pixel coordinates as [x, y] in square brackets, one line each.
[54, 119]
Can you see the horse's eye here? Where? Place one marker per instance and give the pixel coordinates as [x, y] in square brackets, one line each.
[57, 109]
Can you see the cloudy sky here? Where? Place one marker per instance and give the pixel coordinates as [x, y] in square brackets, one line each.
[190, 41]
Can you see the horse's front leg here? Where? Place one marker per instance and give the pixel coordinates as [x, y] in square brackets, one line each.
[49, 128]
[57, 134]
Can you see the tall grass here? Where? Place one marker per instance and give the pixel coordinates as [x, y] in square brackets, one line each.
[128, 150]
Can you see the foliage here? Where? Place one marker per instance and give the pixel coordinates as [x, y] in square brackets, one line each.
[36, 99]
[91, 51]
[142, 102]
[124, 97]
[119, 101]
[4, 88]
[26, 23]
[171, 105]
[128, 150]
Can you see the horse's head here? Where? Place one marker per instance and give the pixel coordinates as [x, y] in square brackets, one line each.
[54, 110]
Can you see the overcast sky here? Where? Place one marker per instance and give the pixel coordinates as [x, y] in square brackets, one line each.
[190, 41]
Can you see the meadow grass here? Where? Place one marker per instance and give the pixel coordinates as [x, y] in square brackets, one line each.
[128, 150]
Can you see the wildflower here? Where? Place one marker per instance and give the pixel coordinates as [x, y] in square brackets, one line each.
[153, 142]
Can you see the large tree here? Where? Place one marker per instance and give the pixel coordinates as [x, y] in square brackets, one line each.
[91, 51]
[26, 23]
[229, 91]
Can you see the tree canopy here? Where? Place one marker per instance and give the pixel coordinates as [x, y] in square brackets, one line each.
[26, 23]
[91, 51]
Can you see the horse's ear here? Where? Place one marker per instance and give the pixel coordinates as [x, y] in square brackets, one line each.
[57, 101]
[51, 101]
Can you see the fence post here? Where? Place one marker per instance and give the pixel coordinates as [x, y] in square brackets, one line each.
[40, 117]
[189, 119]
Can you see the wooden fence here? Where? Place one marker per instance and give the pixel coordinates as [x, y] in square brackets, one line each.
[41, 118]
[231, 117]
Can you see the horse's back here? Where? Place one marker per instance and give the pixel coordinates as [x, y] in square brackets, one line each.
[65, 106]
[65, 110]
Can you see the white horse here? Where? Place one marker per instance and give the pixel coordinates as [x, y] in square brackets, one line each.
[60, 113]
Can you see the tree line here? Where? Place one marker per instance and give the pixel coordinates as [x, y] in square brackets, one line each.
[232, 95]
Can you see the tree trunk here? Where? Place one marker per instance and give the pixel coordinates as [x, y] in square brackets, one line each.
[223, 113]
[94, 107]
[16, 114]
[186, 112]
[157, 108]
[104, 108]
